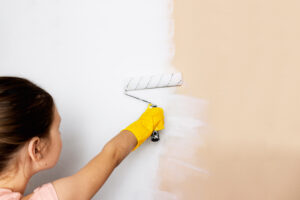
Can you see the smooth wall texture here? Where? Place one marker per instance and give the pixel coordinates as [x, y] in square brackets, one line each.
[81, 52]
[243, 57]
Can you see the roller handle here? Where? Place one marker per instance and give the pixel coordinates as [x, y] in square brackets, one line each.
[155, 134]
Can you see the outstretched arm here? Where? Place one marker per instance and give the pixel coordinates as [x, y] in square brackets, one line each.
[85, 183]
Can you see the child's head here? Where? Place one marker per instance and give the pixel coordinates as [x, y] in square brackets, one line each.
[29, 127]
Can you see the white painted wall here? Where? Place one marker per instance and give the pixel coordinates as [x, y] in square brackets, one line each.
[81, 52]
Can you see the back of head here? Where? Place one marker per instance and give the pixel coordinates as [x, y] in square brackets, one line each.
[26, 111]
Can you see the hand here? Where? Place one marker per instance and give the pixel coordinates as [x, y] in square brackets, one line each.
[152, 119]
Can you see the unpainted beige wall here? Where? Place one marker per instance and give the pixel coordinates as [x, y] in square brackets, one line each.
[243, 58]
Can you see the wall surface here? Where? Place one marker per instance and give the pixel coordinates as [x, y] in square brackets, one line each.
[243, 58]
[81, 52]
[232, 129]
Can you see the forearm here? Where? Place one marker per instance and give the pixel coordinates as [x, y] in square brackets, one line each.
[120, 146]
[96, 172]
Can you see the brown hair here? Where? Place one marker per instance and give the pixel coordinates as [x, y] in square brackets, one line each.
[26, 111]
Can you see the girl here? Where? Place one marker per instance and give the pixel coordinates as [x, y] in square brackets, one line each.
[30, 142]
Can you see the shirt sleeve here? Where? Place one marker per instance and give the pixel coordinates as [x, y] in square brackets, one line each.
[45, 192]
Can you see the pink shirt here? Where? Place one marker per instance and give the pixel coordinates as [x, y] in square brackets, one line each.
[45, 192]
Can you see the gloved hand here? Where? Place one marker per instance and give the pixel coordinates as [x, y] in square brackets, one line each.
[152, 119]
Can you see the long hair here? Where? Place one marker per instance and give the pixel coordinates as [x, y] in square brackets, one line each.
[26, 111]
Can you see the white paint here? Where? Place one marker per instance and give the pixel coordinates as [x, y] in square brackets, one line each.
[81, 52]
[185, 116]
[188, 165]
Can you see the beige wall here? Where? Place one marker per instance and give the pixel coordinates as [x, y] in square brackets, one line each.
[243, 57]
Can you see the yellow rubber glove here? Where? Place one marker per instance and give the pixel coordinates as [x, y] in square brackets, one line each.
[152, 119]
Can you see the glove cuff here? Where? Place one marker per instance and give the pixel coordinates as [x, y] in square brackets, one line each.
[140, 131]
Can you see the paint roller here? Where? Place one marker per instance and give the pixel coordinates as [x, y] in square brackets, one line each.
[152, 82]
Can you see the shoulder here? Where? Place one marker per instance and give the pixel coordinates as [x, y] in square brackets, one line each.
[44, 192]
[9, 194]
